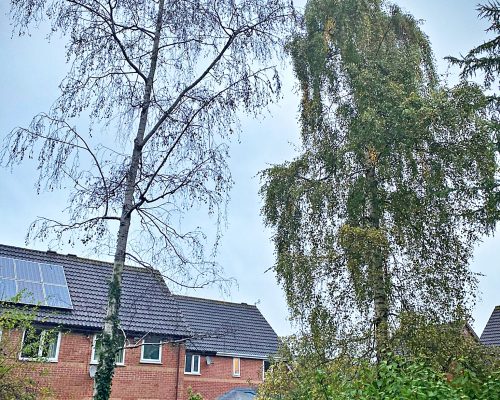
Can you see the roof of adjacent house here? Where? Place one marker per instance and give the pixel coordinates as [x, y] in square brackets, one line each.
[228, 328]
[491, 332]
[147, 306]
[469, 330]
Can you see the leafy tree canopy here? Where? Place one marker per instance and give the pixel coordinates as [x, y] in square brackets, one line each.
[394, 186]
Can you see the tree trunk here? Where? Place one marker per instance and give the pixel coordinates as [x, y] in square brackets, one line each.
[380, 309]
[377, 270]
[111, 341]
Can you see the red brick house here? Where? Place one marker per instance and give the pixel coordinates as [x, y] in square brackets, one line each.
[171, 342]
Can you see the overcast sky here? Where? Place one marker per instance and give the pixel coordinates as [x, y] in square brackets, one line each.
[32, 68]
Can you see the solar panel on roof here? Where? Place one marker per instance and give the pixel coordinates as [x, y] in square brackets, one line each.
[7, 289]
[6, 268]
[31, 292]
[53, 274]
[36, 283]
[57, 296]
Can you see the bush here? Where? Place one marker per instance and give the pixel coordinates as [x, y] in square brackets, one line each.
[17, 379]
[397, 378]
[192, 395]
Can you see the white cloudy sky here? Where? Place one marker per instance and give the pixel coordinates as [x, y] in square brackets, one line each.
[31, 69]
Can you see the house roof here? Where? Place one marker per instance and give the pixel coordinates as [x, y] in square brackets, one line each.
[147, 305]
[469, 330]
[227, 328]
[491, 332]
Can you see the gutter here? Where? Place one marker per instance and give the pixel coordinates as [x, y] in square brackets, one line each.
[242, 355]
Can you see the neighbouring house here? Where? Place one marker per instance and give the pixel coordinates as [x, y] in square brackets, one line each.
[172, 342]
[470, 332]
[229, 337]
[491, 332]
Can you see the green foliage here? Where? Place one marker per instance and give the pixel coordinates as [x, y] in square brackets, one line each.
[106, 368]
[192, 395]
[484, 58]
[442, 344]
[394, 378]
[110, 345]
[18, 381]
[396, 182]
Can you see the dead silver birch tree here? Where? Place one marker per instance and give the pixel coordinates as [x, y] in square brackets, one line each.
[160, 82]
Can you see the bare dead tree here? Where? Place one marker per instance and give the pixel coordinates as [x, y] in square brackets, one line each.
[160, 82]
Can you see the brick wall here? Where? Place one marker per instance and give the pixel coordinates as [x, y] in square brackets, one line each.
[70, 380]
[69, 377]
[217, 378]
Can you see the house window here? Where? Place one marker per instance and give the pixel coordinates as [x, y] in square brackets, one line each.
[40, 344]
[192, 364]
[265, 367]
[97, 348]
[151, 350]
[236, 366]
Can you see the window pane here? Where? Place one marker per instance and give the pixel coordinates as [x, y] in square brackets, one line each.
[196, 364]
[189, 357]
[119, 356]
[151, 352]
[151, 348]
[49, 346]
[32, 292]
[236, 366]
[7, 289]
[31, 343]
[6, 268]
[267, 365]
[97, 349]
[27, 270]
[53, 274]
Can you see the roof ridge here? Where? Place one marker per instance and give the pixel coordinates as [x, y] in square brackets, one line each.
[215, 300]
[74, 257]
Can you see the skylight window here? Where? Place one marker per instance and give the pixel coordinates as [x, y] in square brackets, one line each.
[36, 283]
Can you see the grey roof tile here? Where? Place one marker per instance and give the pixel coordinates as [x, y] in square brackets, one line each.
[491, 332]
[147, 304]
[231, 328]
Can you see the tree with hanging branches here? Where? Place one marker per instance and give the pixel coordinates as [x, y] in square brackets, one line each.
[160, 83]
[378, 216]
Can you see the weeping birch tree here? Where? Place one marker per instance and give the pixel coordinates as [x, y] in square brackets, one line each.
[159, 83]
[376, 220]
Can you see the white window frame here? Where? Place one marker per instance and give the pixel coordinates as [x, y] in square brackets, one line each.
[147, 360]
[237, 374]
[94, 361]
[40, 348]
[193, 372]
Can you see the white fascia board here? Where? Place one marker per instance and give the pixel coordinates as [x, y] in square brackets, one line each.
[242, 355]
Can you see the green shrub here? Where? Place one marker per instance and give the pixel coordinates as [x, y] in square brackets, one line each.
[397, 378]
[17, 379]
[192, 395]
